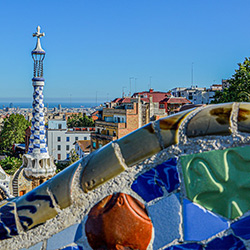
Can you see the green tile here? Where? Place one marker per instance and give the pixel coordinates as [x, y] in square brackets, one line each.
[219, 180]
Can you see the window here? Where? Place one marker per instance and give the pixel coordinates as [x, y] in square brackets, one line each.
[58, 138]
[94, 144]
[67, 138]
[67, 156]
[85, 138]
[59, 126]
[59, 147]
[162, 106]
[107, 132]
[76, 138]
[100, 145]
[114, 133]
[59, 157]
[67, 147]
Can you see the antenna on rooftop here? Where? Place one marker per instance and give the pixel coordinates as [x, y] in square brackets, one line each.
[130, 78]
[123, 93]
[192, 74]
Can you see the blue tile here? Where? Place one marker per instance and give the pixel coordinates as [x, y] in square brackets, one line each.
[148, 186]
[242, 228]
[63, 238]
[73, 248]
[165, 216]
[192, 246]
[168, 173]
[228, 242]
[37, 246]
[151, 184]
[200, 224]
[79, 233]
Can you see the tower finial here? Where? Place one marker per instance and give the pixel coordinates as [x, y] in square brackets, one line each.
[38, 34]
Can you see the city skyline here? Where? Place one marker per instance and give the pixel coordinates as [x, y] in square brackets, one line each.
[98, 49]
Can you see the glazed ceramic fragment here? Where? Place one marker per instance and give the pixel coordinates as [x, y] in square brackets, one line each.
[212, 120]
[219, 180]
[101, 167]
[139, 145]
[169, 127]
[244, 117]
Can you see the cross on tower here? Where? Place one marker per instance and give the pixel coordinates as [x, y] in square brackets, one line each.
[38, 34]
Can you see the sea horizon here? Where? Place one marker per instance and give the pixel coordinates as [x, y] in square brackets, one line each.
[50, 104]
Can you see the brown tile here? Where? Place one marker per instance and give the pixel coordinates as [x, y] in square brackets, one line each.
[212, 120]
[169, 127]
[119, 221]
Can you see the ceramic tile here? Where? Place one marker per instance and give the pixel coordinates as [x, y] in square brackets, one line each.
[63, 238]
[148, 185]
[227, 242]
[63, 195]
[192, 246]
[219, 180]
[165, 215]
[241, 228]
[170, 125]
[151, 184]
[35, 207]
[139, 145]
[101, 167]
[168, 173]
[244, 117]
[200, 224]
[79, 233]
[212, 120]
[38, 246]
[118, 221]
[8, 227]
[73, 248]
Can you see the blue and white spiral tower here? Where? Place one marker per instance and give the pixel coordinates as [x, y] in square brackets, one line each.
[37, 162]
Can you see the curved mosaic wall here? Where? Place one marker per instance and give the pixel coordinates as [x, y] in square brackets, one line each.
[178, 183]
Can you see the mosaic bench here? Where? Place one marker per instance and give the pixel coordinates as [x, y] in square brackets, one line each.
[182, 182]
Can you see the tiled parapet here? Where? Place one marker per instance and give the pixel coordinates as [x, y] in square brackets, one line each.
[184, 215]
[154, 182]
[219, 180]
[38, 205]
[212, 120]
[119, 221]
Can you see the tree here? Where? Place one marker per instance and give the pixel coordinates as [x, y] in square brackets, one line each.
[72, 158]
[13, 131]
[11, 164]
[78, 120]
[239, 89]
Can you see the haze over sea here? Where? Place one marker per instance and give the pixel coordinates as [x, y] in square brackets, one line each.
[49, 104]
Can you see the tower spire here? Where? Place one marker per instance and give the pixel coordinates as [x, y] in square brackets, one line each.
[37, 163]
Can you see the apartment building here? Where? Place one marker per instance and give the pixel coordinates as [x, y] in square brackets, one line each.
[61, 139]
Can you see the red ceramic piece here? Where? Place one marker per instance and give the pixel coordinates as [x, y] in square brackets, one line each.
[118, 221]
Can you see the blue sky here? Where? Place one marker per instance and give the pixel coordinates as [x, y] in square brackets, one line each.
[93, 47]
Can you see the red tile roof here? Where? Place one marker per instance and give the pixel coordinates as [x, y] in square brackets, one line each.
[157, 95]
[84, 144]
[175, 100]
